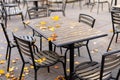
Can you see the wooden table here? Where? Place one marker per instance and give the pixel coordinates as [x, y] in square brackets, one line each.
[68, 33]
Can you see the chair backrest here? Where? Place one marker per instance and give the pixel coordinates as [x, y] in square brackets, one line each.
[115, 15]
[37, 12]
[60, 4]
[110, 61]
[5, 33]
[87, 19]
[25, 48]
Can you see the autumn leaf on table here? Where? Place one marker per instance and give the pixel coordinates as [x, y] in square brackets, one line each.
[43, 23]
[55, 18]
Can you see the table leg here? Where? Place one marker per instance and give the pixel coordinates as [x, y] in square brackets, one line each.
[115, 2]
[36, 3]
[50, 45]
[71, 61]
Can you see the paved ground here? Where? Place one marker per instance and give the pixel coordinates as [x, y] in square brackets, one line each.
[97, 47]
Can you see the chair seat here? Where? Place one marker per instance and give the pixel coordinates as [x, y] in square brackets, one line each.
[45, 58]
[55, 8]
[90, 71]
[14, 12]
[10, 5]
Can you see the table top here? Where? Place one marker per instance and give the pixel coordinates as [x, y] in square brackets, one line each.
[69, 31]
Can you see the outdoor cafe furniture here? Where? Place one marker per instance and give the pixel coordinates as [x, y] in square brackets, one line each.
[62, 31]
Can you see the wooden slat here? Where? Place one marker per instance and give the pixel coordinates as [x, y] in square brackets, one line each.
[69, 32]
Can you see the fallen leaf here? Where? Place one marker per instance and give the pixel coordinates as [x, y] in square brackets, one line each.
[2, 61]
[2, 72]
[76, 62]
[56, 67]
[13, 61]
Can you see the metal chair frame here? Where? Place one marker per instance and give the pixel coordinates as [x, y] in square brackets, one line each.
[10, 45]
[25, 48]
[57, 7]
[100, 2]
[101, 71]
[89, 20]
[115, 21]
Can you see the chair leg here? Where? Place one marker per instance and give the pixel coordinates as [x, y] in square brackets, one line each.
[9, 59]
[118, 75]
[33, 33]
[89, 52]
[22, 71]
[7, 52]
[63, 13]
[65, 59]
[48, 69]
[110, 42]
[61, 50]
[92, 7]
[22, 19]
[80, 4]
[35, 74]
[79, 52]
[98, 7]
[73, 4]
[116, 37]
[102, 6]
[64, 68]
[54, 48]
[40, 42]
[109, 7]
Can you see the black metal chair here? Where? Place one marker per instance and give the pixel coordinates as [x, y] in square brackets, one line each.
[57, 7]
[37, 12]
[99, 71]
[12, 44]
[38, 59]
[11, 9]
[89, 20]
[115, 16]
[101, 2]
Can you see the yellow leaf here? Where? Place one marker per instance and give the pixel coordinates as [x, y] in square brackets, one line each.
[57, 26]
[23, 75]
[13, 61]
[38, 60]
[0, 55]
[2, 72]
[15, 30]
[7, 75]
[31, 67]
[42, 22]
[25, 68]
[111, 30]
[110, 49]
[11, 69]
[55, 18]
[68, 70]
[76, 62]
[44, 59]
[2, 61]
[52, 29]
[50, 39]
[56, 67]
[27, 22]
